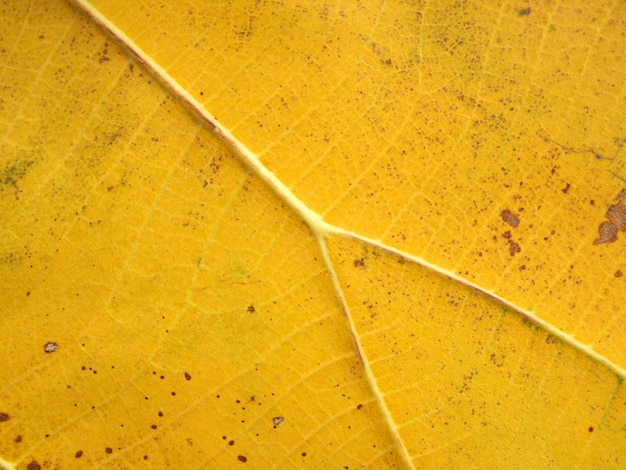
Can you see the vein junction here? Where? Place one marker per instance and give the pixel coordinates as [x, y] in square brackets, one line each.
[317, 225]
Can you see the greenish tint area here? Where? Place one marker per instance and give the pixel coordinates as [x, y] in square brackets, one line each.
[199, 262]
[13, 172]
[531, 324]
[239, 270]
[620, 381]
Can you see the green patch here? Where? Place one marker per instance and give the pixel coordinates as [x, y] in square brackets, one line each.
[13, 172]
[531, 324]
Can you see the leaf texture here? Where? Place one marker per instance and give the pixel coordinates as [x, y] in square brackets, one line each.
[303, 235]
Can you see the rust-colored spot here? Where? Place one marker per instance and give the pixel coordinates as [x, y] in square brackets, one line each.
[4, 417]
[17, 439]
[359, 263]
[50, 347]
[514, 248]
[231, 442]
[566, 188]
[108, 450]
[616, 220]
[242, 458]
[187, 376]
[78, 454]
[618, 273]
[251, 309]
[34, 465]
[509, 218]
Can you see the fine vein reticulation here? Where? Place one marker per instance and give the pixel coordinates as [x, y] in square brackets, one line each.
[317, 225]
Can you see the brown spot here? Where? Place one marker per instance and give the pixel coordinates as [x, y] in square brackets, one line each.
[187, 376]
[616, 220]
[108, 450]
[566, 188]
[359, 263]
[50, 347]
[590, 428]
[4, 417]
[303, 454]
[618, 273]
[251, 309]
[78, 454]
[359, 406]
[231, 443]
[277, 420]
[507, 234]
[34, 465]
[242, 458]
[18, 439]
[509, 218]
[514, 248]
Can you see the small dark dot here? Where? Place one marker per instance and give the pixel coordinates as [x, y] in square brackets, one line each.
[590, 428]
[4, 417]
[153, 426]
[18, 439]
[241, 458]
[161, 413]
[223, 438]
[108, 450]
[173, 394]
[187, 376]
[251, 309]
[359, 406]
[78, 454]
[27, 293]
[303, 454]
[145, 457]
[618, 273]
[231, 443]
[34, 465]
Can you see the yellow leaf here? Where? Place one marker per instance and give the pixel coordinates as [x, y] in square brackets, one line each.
[304, 235]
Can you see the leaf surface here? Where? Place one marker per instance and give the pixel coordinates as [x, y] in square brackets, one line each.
[312, 235]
